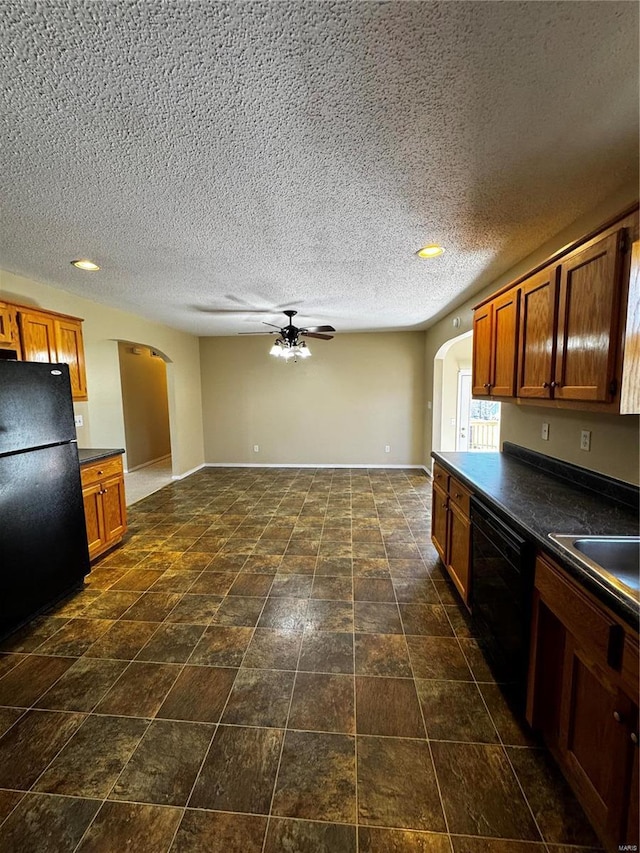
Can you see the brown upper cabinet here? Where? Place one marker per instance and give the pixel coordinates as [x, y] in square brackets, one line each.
[538, 316]
[495, 336]
[588, 317]
[9, 337]
[32, 334]
[567, 334]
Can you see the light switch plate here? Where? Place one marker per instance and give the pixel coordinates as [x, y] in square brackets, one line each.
[544, 434]
[78, 420]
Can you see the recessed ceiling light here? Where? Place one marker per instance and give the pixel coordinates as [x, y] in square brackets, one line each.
[84, 264]
[430, 251]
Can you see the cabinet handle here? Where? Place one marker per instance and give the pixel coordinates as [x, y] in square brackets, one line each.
[444, 506]
[556, 384]
[487, 385]
[100, 473]
[458, 495]
[545, 384]
[634, 738]
[617, 716]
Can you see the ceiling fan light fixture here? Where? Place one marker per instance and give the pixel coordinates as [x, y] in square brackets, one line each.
[430, 251]
[276, 349]
[304, 351]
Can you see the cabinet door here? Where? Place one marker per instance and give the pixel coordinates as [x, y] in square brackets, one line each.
[439, 521]
[92, 499]
[8, 328]
[624, 823]
[459, 550]
[631, 802]
[71, 351]
[590, 742]
[504, 344]
[38, 336]
[114, 508]
[482, 361]
[588, 322]
[536, 346]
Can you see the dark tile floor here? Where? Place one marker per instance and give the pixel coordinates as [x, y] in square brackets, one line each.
[273, 661]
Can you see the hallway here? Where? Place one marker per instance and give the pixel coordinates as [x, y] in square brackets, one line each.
[273, 661]
[145, 481]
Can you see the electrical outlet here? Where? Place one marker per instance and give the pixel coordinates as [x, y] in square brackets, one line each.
[256, 448]
[78, 420]
[545, 432]
[428, 404]
[585, 439]
[387, 448]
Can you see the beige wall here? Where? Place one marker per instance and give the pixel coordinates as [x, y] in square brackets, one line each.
[356, 394]
[615, 437]
[103, 328]
[145, 405]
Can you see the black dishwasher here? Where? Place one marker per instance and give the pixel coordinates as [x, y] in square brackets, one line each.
[501, 588]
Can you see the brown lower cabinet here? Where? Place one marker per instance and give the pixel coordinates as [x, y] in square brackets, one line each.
[583, 697]
[104, 504]
[451, 528]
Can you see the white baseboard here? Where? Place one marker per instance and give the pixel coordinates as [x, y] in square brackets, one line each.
[187, 473]
[146, 464]
[304, 465]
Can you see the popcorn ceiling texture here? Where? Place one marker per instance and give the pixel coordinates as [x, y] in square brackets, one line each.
[217, 158]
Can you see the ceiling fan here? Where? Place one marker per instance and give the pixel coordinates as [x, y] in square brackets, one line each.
[288, 343]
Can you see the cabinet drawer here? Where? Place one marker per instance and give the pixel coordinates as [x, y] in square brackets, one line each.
[460, 495]
[593, 628]
[440, 476]
[95, 471]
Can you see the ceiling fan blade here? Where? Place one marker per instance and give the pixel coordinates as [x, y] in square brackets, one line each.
[270, 324]
[319, 329]
[317, 335]
[206, 310]
[256, 333]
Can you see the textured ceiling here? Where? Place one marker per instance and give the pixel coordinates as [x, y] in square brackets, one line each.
[239, 156]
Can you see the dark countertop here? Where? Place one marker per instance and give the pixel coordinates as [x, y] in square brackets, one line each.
[538, 503]
[92, 454]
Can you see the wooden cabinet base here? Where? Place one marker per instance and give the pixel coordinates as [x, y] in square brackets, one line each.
[582, 697]
[451, 528]
[104, 504]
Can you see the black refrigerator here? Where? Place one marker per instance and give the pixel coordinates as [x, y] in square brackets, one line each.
[43, 537]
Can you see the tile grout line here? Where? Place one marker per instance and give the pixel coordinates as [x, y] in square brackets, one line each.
[286, 725]
[215, 729]
[150, 720]
[428, 741]
[355, 706]
[219, 723]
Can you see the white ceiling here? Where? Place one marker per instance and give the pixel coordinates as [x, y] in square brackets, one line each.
[252, 155]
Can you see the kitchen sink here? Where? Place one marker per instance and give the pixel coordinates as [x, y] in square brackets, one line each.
[615, 559]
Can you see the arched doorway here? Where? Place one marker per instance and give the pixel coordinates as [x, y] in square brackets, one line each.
[145, 408]
[459, 422]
